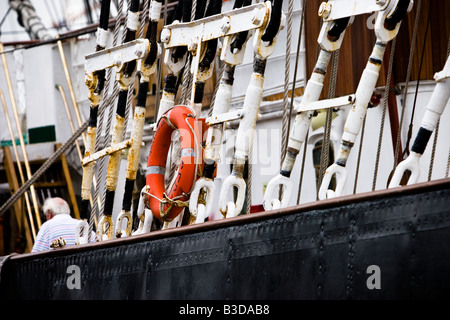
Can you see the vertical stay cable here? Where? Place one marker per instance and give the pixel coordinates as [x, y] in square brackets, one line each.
[139, 115]
[448, 158]
[177, 56]
[300, 183]
[291, 107]
[436, 133]
[87, 7]
[297, 56]
[287, 67]
[406, 149]
[187, 76]
[159, 71]
[408, 75]
[324, 159]
[358, 161]
[101, 140]
[125, 79]
[433, 150]
[95, 96]
[383, 116]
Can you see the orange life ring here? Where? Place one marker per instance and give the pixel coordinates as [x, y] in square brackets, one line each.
[165, 203]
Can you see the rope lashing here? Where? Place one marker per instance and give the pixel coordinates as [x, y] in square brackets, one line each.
[170, 201]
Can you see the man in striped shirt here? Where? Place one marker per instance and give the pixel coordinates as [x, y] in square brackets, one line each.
[60, 227]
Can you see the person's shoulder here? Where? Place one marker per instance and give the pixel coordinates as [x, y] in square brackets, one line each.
[64, 217]
[75, 219]
[72, 220]
[45, 225]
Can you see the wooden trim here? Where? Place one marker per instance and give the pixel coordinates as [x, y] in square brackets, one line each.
[70, 190]
[19, 208]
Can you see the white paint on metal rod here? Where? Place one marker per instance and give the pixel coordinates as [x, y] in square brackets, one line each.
[102, 37]
[133, 20]
[155, 10]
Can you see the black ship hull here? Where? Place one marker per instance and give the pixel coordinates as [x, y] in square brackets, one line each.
[388, 244]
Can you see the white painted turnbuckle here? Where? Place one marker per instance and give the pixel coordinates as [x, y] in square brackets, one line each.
[254, 16]
[305, 112]
[435, 108]
[247, 124]
[144, 214]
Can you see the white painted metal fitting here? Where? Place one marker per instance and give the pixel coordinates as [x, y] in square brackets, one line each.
[225, 24]
[271, 200]
[411, 163]
[145, 223]
[444, 73]
[262, 51]
[102, 233]
[256, 19]
[116, 56]
[144, 215]
[82, 232]
[201, 211]
[324, 10]
[139, 52]
[231, 210]
[173, 67]
[193, 44]
[227, 189]
[224, 117]
[341, 177]
[165, 35]
[120, 233]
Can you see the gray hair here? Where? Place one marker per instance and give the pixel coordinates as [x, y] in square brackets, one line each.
[56, 206]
